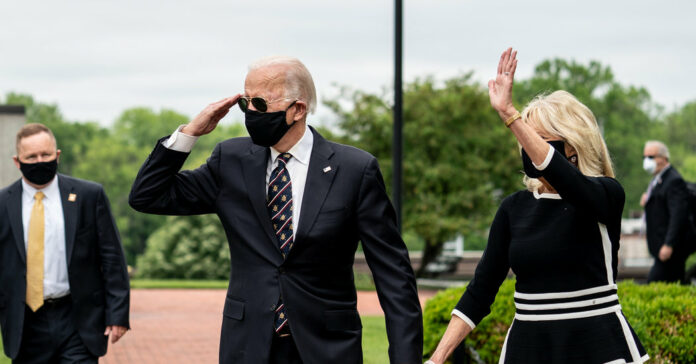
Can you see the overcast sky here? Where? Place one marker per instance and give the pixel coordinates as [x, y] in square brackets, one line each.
[97, 58]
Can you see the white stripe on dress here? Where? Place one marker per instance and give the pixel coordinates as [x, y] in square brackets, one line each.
[606, 246]
[502, 353]
[568, 316]
[554, 295]
[632, 347]
[553, 306]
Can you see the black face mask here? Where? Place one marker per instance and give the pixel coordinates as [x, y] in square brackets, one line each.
[267, 128]
[39, 173]
[529, 168]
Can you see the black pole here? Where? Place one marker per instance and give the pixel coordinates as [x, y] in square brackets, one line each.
[397, 142]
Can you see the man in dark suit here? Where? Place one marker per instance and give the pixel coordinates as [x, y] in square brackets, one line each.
[294, 207]
[64, 280]
[666, 215]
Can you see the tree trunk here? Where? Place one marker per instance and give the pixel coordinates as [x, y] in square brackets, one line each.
[430, 251]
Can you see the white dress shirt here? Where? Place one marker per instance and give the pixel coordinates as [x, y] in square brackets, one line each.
[297, 166]
[55, 259]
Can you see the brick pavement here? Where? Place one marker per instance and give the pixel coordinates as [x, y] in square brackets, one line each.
[183, 326]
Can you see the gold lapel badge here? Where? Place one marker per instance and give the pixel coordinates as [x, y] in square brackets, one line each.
[72, 197]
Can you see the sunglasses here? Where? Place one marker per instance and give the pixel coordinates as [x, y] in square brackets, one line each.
[259, 103]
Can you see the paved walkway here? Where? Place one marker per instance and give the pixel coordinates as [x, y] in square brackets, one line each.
[183, 326]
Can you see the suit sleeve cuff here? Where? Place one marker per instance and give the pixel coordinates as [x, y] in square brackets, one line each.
[546, 161]
[179, 141]
[464, 317]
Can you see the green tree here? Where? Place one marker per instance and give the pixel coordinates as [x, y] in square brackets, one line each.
[459, 160]
[680, 137]
[142, 126]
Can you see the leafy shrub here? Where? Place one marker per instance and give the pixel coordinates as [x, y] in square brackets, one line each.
[662, 315]
[189, 247]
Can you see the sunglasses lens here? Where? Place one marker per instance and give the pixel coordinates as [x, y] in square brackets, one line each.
[243, 104]
[259, 103]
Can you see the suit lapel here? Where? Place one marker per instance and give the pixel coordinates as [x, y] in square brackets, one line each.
[69, 213]
[320, 176]
[254, 170]
[658, 183]
[14, 212]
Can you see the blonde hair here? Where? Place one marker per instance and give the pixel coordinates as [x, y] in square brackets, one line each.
[561, 115]
[298, 81]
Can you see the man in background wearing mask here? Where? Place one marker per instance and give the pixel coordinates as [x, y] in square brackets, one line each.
[294, 207]
[666, 215]
[64, 280]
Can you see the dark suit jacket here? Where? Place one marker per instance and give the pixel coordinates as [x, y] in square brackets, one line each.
[666, 215]
[96, 265]
[340, 207]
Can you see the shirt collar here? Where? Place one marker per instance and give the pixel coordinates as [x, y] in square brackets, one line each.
[50, 192]
[553, 196]
[301, 151]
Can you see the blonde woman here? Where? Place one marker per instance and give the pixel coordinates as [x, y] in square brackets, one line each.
[560, 236]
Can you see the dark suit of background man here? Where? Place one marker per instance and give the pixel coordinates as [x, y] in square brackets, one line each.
[64, 279]
[294, 207]
[666, 215]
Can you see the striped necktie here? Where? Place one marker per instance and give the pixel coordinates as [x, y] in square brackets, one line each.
[279, 204]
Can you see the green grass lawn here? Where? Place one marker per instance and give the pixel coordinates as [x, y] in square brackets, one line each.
[3, 358]
[375, 343]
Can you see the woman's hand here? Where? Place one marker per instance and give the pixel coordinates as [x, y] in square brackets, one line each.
[500, 89]
[457, 330]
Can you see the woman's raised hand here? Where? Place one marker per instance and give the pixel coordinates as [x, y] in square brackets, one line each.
[500, 89]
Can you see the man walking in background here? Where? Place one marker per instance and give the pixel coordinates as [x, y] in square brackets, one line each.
[294, 207]
[666, 215]
[64, 280]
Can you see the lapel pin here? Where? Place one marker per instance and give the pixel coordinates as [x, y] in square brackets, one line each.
[327, 169]
[72, 197]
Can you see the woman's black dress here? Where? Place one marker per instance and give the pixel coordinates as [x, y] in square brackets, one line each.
[563, 249]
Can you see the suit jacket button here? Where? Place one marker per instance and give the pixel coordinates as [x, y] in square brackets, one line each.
[281, 270]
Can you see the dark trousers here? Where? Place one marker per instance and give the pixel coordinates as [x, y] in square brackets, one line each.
[50, 336]
[284, 351]
[670, 271]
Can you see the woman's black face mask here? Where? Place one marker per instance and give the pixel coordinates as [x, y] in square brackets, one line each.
[559, 145]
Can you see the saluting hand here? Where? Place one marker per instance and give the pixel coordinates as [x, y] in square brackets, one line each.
[207, 120]
[500, 89]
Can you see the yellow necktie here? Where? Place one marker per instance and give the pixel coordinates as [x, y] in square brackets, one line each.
[35, 254]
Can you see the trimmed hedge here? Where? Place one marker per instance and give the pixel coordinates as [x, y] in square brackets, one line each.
[662, 315]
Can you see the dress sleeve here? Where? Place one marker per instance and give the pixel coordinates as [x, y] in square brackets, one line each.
[602, 197]
[491, 271]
